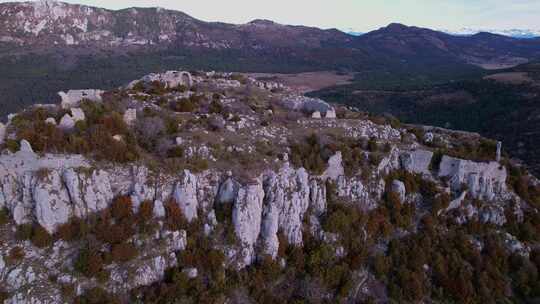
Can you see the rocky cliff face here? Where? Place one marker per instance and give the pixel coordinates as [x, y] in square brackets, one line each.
[50, 23]
[283, 200]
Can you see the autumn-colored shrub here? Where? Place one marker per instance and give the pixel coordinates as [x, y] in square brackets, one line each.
[16, 254]
[175, 219]
[73, 230]
[123, 252]
[122, 208]
[146, 211]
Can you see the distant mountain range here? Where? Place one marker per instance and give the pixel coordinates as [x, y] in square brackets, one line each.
[46, 46]
[514, 33]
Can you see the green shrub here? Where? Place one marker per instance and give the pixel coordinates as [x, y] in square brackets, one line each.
[89, 262]
[24, 232]
[310, 155]
[4, 216]
[176, 152]
[97, 295]
[40, 237]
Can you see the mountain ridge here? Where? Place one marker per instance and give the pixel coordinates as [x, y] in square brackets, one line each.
[48, 46]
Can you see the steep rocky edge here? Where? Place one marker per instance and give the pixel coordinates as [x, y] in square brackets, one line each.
[278, 202]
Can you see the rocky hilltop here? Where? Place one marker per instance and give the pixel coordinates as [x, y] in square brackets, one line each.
[221, 188]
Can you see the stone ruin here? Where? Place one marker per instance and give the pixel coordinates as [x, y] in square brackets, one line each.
[73, 97]
[317, 107]
[2, 133]
[68, 121]
[499, 148]
[483, 180]
[171, 79]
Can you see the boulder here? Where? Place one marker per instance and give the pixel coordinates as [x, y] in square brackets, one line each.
[77, 114]
[316, 115]
[335, 167]
[25, 147]
[428, 137]
[51, 121]
[331, 114]
[67, 122]
[417, 161]
[191, 272]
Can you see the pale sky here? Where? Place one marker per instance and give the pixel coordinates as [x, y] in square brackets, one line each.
[362, 15]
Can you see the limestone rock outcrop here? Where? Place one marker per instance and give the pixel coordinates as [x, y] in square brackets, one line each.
[2, 133]
[246, 218]
[72, 98]
[417, 161]
[185, 195]
[399, 188]
[484, 180]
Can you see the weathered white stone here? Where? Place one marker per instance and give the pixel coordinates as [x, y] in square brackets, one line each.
[176, 240]
[150, 271]
[185, 195]
[77, 114]
[130, 116]
[2, 133]
[317, 196]
[159, 209]
[289, 192]
[455, 203]
[52, 202]
[25, 147]
[67, 122]
[417, 161]
[335, 167]
[191, 272]
[247, 217]
[73, 97]
[498, 154]
[399, 188]
[171, 79]
[118, 137]
[228, 191]
[89, 192]
[331, 114]
[306, 104]
[485, 180]
[51, 121]
[316, 115]
[428, 137]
